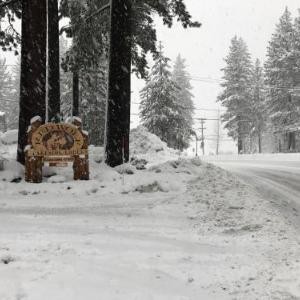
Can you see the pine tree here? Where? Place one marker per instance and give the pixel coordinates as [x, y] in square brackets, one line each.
[53, 62]
[181, 78]
[160, 110]
[258, 109]
[236, 95]
[119, 84]
[281, 78]
[296, 53]
[93, 102]
[33, 68]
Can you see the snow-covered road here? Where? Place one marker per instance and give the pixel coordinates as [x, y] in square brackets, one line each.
[276, 178]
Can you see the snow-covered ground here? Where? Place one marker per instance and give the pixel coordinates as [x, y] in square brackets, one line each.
[174, 229]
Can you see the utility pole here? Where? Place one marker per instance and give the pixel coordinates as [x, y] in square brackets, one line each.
[202, 135]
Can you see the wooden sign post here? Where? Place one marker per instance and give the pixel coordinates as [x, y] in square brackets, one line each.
[57, 144]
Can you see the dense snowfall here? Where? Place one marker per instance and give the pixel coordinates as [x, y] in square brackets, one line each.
[162, 227]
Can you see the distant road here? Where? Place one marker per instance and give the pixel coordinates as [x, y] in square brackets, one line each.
[275, 177]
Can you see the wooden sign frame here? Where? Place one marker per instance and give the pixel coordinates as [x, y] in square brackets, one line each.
[57, 144]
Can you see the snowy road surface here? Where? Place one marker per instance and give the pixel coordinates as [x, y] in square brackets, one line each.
[276, 177]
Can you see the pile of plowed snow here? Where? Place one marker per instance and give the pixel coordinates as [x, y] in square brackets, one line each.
[148, 146]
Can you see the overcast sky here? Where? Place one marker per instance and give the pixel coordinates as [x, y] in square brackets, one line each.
[205, 48]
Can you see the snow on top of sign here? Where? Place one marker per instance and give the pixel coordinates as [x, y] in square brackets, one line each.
[69, 120]
[35, 119]
[77, 119]
[27, 147]
[2, 113]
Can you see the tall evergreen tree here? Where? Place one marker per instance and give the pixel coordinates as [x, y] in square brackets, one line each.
[160, 110]
[236, 95]
[53, 61]
[93, 103]
[258, 109]
[33, 68]
[296, 53]
[181, 78]
[281, 78]
[119, 84]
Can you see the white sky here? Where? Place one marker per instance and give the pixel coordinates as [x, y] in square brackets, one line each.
[204, 49]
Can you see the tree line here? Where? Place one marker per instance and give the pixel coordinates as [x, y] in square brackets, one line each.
[264, 98]
[109, 42]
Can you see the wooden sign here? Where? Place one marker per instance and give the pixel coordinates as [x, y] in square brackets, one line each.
[56, 144]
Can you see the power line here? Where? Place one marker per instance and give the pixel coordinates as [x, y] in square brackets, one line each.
[198, 109]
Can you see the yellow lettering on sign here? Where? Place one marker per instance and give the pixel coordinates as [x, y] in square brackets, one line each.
[57, 138]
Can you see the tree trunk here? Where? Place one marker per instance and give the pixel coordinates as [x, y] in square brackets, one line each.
[75, 111]
[239, 138]
[240, 145]
[53, 62]
[259, 142]
[33, 68]
[118, 105]
[291, 141]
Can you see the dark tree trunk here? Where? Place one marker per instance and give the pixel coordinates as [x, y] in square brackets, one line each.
[240, 139]
[33, 68]
[240, 145]
[75, 111]
[118, 106]
[53, 62]
[291, 141]
[259, 142]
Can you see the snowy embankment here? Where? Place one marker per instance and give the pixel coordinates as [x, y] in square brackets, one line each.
[180, 229]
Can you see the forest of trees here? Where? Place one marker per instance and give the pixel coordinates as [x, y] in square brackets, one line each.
[264, 98]
[97, 66]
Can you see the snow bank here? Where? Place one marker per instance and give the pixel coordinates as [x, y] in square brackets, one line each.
[148, 146]
[143, 142]
[10, 137]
